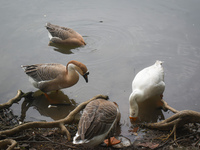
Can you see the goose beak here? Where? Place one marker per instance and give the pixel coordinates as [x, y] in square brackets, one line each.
[133, 118]
[85, 76]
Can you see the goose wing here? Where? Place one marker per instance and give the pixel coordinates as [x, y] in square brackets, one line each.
[98, 117]
[44, 72]
[150, 80]
[60, 32]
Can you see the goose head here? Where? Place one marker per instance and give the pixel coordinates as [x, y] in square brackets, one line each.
[79, 67]
[133, 99]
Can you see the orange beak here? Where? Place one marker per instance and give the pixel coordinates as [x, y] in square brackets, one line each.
[133, 118]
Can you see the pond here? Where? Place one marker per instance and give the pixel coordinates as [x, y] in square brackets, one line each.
[122, 38]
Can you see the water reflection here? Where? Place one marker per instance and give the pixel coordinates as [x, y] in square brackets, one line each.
[62, 49]
[149, 112]
[58, 111]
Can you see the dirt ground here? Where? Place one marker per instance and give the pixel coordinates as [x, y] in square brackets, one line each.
[187, 137]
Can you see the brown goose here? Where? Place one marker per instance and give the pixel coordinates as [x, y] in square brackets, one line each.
[52, 77]
[64, 36]
[98, 119]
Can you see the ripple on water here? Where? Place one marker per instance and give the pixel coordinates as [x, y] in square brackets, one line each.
[33, 31]
[189, 60]
[106, 40]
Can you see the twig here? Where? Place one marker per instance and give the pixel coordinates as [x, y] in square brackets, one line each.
[183, 137]
[57, 142]
[162, 144]
[197, 142]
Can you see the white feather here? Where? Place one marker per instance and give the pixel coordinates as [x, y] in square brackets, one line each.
[50, 36]
[147, 83]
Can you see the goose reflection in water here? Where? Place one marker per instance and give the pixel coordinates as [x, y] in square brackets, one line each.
[149, 112]
[41, 104]
[62, 49]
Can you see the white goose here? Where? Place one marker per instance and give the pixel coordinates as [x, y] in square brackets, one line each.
[98, 119]
[52, 77]
[64, 36]
[147, 84]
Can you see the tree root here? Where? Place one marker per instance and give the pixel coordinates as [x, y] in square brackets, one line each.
[16, 99]
[179, 119]
[166, 107]
[6, 142]
[59, 123]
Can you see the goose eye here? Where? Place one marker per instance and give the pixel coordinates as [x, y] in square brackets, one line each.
[87, 73]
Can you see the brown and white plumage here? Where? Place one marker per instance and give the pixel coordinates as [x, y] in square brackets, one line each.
[51, 77]
[64, 36]
[98, 119]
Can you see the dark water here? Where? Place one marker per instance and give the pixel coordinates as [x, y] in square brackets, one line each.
[122, 38]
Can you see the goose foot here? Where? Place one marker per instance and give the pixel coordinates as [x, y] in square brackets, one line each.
[133, 118]
[54, 103]
[111, 141]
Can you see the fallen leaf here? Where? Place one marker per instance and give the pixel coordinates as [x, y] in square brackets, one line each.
[135, 129]
[113, 141]
[134, 133]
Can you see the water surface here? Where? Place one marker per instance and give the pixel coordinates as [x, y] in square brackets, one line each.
[122, 38]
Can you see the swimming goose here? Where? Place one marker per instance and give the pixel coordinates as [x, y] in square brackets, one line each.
[64, 36]
[52, 77]
[147, 84]
[98, 119]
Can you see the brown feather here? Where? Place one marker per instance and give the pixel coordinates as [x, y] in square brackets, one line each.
[97, 118]
[79, 64]
[63, 35]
